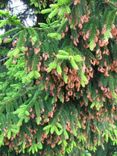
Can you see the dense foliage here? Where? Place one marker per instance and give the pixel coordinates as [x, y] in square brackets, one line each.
[58, 79]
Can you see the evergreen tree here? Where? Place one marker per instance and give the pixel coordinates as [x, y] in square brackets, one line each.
[58, 79]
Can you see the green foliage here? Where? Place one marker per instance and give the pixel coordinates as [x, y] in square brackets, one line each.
[58, 80]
